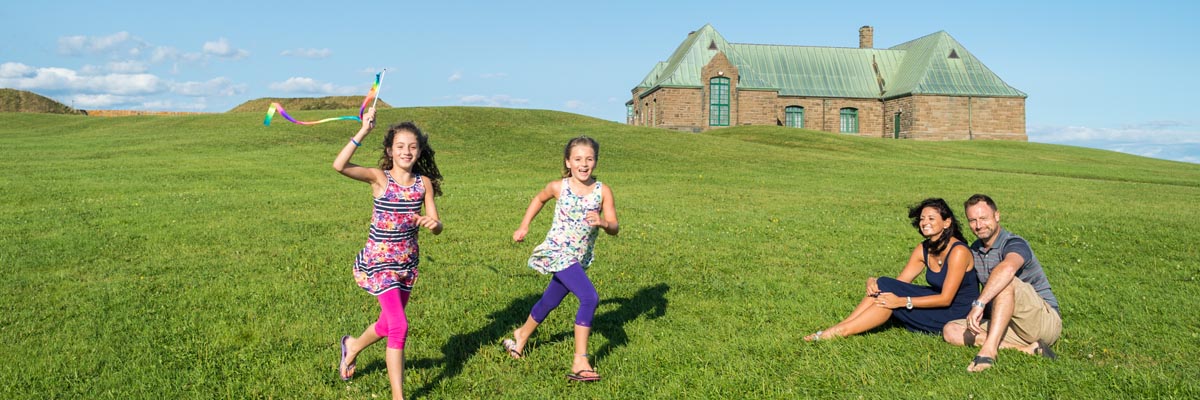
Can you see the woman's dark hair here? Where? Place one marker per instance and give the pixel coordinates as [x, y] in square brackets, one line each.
[579, 141]
[425, 164]
[943, 209]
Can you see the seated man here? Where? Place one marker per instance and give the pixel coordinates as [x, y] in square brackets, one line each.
[1025, 312]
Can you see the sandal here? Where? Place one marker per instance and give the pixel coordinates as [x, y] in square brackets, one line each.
[579, 377]
[1043, 350]
[981, 360]
[343, 368]
[510, 346]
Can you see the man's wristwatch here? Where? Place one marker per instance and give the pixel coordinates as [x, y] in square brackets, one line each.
[909, 304]
[977, 303]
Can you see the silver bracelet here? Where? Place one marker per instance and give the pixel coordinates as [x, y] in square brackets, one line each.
[977, 303]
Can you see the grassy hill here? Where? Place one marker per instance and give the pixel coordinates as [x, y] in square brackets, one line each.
[20, 101]
[306, 103]
[209, 256]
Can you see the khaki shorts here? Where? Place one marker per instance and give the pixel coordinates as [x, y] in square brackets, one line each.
[1033, 318]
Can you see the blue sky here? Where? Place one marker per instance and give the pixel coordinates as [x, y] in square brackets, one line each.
[1111, 75]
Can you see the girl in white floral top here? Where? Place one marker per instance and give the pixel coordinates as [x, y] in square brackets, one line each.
[582, 205]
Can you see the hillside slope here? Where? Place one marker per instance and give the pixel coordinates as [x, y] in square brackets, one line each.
[12, 100]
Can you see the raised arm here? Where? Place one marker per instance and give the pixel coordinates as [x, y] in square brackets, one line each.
[535, 205]
[342, 163]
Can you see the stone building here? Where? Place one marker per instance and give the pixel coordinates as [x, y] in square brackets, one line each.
[929, 88]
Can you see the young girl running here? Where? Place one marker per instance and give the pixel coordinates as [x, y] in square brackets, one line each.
[406, 179]
[583, 204]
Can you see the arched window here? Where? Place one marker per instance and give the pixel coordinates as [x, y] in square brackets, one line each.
[849, 120]
[795, 116]
[718, 101]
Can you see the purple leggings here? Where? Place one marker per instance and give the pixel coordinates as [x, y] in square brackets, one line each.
[392, 323]
[573, 280]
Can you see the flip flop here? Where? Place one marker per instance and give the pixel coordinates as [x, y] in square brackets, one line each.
[578, 376]
[1043, 350]
[510, 346]
[342, 366]
[981, 360]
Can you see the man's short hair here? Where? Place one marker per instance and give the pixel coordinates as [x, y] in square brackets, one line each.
[978, 197]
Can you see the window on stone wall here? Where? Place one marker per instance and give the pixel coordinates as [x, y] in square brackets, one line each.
[849, 120]
[629, 114]
[718, 101]
[794, 116]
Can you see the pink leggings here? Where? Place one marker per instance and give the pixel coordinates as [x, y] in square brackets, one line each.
[392, 323]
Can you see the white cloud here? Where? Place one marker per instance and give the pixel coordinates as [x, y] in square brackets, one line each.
[222, 49]
[455, 77]
[1162, 132]
[10, 70]
[1171, 140]
[499, 100]
[76, 45]
[53, 79]
[311, 86]
[308, 53]
[214, 87]
[491, 75]
[574, 104]
[93, 101]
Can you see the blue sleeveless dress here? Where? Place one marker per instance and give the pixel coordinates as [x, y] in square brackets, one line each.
[931, 320]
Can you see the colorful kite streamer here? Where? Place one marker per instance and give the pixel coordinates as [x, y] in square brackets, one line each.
[371, 95]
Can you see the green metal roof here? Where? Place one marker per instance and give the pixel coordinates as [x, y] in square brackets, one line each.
[920, 66]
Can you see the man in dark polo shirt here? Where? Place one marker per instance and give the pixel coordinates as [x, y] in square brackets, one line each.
[1024, 311]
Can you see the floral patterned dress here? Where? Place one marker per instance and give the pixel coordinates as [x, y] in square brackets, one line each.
[570, 239]
[389, 259]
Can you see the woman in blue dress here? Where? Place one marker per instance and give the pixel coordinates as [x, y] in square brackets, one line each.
[949, 270]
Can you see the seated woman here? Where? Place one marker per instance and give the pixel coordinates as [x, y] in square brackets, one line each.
[950, 273]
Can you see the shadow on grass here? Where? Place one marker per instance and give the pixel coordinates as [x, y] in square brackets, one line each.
[651, 301]
[459, 349]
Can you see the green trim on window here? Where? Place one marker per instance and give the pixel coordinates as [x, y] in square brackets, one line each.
[794, 116]
[849, 120]
[718, 101]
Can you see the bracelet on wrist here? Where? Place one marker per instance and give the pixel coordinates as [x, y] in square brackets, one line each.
[977, 303]
[356, 143]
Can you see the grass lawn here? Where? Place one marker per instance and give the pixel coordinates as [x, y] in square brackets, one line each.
[209, 257]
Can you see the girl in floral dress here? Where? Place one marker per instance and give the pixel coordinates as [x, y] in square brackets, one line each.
[582, 205]
[407, 179]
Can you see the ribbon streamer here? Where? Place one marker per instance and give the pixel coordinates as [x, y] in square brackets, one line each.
[371, 95]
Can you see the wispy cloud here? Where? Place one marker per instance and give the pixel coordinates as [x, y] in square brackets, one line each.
[1170, 140]
[499, 100]
[308, 53]
[222, 49]
[78, 45]
[493, 75]
[455, 77]
[312, 86]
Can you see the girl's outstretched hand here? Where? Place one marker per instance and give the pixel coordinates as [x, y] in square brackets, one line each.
[429, 223]
[519, 234]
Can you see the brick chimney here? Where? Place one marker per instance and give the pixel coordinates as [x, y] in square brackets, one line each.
[866, 37]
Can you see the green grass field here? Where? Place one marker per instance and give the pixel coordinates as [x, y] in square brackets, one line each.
[209, 257]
